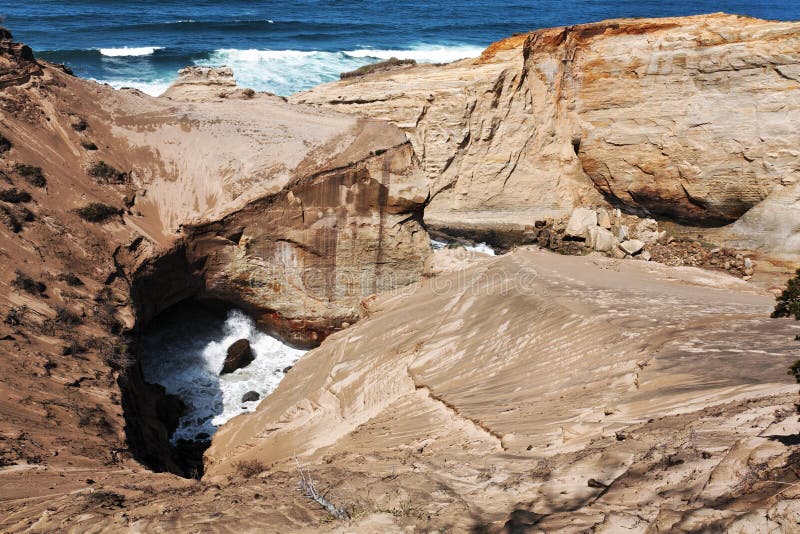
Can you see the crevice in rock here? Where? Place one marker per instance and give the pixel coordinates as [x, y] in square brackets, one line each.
[493, 436]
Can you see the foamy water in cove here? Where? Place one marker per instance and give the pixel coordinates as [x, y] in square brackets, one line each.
[483, 248]
[185, 352]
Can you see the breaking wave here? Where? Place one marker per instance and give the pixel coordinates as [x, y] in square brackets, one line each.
[287, 71]
[185, 354]
[130, 52]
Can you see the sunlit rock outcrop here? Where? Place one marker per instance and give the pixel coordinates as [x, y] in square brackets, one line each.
[689, 119]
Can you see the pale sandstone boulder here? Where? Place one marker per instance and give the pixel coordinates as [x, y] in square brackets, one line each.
[604, 218]
[603, 240]
[632, 246]
[581, 222]
[773, 225]
[647, 230]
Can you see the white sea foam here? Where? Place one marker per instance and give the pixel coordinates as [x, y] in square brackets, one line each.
[154, 88]
[187, 362]
[129, 52]
[422, 53]
[283, 71]
[287, 71]
[483, 248]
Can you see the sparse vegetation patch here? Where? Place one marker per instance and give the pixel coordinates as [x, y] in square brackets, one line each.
[79, 125]
[94, 417]
[5, 144]
[15, 315]
[788, 302]
[67, 317]
[105, 499]
[249, 468]
[27, 284]
[105, 173]
[33, 175]
[8, 219]
[70, 279]
[97, 212]
[14, 196]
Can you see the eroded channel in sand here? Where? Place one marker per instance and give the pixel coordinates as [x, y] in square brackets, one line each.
[184, 348]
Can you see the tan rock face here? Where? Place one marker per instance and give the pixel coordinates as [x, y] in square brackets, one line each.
[690, 119]
[201, 83]
[303, 260]
[482, 134]
[293, 213]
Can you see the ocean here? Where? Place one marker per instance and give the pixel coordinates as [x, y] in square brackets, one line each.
[284, 47]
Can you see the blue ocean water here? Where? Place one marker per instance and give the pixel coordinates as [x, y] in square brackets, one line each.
[287, 46]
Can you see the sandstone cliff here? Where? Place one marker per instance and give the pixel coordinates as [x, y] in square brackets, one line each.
[688, 119]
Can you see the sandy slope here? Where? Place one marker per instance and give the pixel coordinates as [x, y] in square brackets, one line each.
[479, 376]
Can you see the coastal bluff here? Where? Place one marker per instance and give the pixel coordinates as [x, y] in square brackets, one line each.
[686, 119]
[602, 389]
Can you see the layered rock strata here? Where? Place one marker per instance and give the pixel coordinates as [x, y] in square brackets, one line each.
[689, 119]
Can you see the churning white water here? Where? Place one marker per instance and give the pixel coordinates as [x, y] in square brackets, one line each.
[483, 248]
[185, 351]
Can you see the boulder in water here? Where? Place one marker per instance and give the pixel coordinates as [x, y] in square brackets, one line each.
[251, 396]
[239, 355]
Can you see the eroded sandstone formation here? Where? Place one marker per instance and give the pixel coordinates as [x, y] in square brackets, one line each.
[689, 119]
[529, 392]
[115, 205]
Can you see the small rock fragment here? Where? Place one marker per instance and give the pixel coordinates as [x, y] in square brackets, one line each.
[632, 246]
[251, 396]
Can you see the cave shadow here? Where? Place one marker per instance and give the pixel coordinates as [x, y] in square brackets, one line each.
[188, 394]
[789, 441]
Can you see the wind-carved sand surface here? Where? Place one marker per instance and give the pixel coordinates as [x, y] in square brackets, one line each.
[468, 383]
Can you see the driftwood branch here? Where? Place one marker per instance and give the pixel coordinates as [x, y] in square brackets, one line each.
[310, 491]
